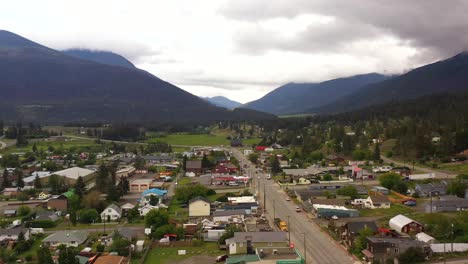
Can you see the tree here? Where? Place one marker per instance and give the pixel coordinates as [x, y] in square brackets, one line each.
[34, 147]
[19, 178]
[253, 158]
[376, 153]
[205, 162]
[412, 255]
[56, 184]
[120, 244]
[133, 214]
[230, 230]
[275, 165]
[153, 200]
[184, 162]
[457, 188]
[327, 177]
[390, 180]
[348, 190]
[93, 200]
[73, 217]
[6, 180]
[88, 216]
[67, 255]
[37, 182]
[156, 218]
[44, 256]
[80, 187]
[102, 178]
[139, 163]
[23, 210]
[113, 193]
[360, 242]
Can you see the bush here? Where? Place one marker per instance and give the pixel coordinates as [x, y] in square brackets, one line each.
[43, 223]
[23, 210]
[88, 216]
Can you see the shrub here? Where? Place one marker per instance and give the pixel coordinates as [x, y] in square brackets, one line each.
[43, 223]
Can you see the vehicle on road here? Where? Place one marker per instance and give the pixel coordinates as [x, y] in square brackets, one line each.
[221, 258]
[281, 224]
[268, 177]
[298, 209]
[288, 199]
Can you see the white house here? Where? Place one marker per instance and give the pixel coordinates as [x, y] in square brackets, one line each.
[11, 234]
[112, 212]
[377, 201]
[199, 206]
[148, 207]
[68, 238]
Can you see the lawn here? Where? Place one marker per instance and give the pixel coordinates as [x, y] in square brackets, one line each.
[168, 255]
[458, 168]
[192, 140]
[66, 225]
[176, 211]
[75, 143]
[395, 209]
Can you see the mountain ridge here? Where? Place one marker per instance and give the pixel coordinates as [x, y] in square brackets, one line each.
[222, 101]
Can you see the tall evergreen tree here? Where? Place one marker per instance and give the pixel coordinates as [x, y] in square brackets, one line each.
[67, 255]
[19, 178]
[376, 154]
[44, 256]
[6, 180]
[37, 183]
[80, 187]
[102, 178]
[34, 147]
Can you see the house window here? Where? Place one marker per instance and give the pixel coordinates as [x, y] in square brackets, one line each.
[241, 244]
[397, 250]
[108, 210]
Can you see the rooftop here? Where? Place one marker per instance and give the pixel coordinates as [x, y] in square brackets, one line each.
[259, 237]
[74, 172]
[65, 236]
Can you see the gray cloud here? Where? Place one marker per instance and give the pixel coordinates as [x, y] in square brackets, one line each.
[438, 28]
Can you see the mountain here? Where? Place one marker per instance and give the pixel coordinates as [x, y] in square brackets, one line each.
[446, 76]
[299, 97]
[104, 57]
[41, 84]
[222, 101]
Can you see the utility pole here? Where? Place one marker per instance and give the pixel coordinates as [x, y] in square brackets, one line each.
[452, 237]
[264, 198]
[305, 249]
[274, 209]
[289, 232]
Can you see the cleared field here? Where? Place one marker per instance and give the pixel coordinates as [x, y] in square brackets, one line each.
[169, 255]
[66, 145]
[458, 168]
[192, 140]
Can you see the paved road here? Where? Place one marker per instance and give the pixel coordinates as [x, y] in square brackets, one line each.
[136, 143]
[439, 174]
[320, 247]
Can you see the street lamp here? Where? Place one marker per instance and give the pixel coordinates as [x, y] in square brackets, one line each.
[274, 209]
[289, 232]
[305, 248]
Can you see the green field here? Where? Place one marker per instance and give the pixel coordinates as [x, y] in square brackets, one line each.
[395, 209]
[168, 255]
[44, 145]
[458, 168]
[192, 140]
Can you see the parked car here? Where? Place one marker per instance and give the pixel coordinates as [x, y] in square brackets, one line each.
[288, 199]
[298, 209]
[221, 258]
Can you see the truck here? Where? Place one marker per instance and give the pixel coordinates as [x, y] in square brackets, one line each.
[281, 224]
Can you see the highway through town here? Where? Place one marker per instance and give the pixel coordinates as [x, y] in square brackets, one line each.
[320, 247]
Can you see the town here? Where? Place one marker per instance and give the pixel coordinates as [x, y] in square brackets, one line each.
[69, 197]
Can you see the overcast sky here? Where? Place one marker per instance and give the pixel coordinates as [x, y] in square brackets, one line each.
[243, 49]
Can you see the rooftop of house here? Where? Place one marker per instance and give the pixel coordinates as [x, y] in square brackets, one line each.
[258, 237]
[379, 199]
[397, 241]
[109, 259]
[154, 191]
[12, 231]
[115, 207]
[199, 198]
[229, 212]
[193, 164]
[65, 236]
[336, 202]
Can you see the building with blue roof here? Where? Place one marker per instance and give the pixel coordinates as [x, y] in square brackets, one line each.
[146, 195]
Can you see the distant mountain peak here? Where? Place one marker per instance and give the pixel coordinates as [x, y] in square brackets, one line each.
[222, 101]
[100, 56]
[12, 40]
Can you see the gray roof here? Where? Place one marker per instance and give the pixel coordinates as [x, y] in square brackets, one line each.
[259, 237]
[115, 207]
[46, 215]
[379, 198]
[193, 164]
[65, 236]
[158, 157]
[128, 233]
[229, 212]
[12, 231]
[199, 198]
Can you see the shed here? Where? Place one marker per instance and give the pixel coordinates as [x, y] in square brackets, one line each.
[403, 224]
[425, 238]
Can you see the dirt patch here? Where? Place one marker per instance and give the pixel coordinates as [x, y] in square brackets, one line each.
[198, 260]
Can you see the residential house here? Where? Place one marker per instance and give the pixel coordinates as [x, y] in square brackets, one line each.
[146, 195]
[11, 234]
[381, 190]
[69, 238]
[158, 159]
[305, 195]
[199, 206]
[431, 189]
[403, 224]
[112, 212]
[351, 230]
[46, 215]
[127, 207]
[58, 202]
[248, 242]
[377, 201]
[381, 249]
[229, 216]
[194, 166]
[10, 192]
[128, 233]
[249, 208]
[148, 207]
[446, 204]
[9, 212]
